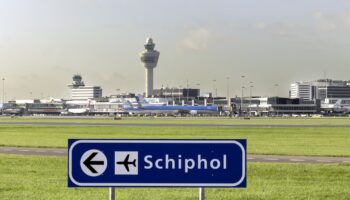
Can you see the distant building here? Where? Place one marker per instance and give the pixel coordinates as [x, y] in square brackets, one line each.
[338, 92]
[81, 92]
[266, 106]
[86, 92]
[177, 92]
[303, 91]
[320, 89]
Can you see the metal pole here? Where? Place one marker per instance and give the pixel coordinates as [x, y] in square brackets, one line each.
[187, 92]
[241, 108]
[3, 90]
[199, 92]
[201, 193]
[179, 94]
[111, 193]
[276, 87]
[250, 99]
[228, 91]
[213, 91]
[241, 113]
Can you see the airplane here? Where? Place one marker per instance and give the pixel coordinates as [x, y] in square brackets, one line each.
[126, 163]
[143, 108]
[337, 107]
[79, 111]
[164, 109]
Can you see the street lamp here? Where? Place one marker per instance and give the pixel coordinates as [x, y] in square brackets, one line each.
[241, 108]
[179, 93]
[276, 87]
[187, 91]
[3, 90]
[228, 91]
[250, 99]
[213, 91]
[118, 91]
[198, 85]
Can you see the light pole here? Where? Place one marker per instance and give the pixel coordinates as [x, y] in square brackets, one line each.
[187, 91]
[179, 93]
[241, 108]
[276, 87]
[198, 85]
[228, 92]
[213, 91]
[118, 92]
[3, 90]
[250, 99]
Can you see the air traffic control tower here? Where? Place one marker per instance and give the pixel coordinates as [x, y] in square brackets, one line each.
[149, 58]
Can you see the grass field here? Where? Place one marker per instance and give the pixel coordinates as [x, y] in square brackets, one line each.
[34, 177]
[40, 177]
[279, 141]
[194, 120]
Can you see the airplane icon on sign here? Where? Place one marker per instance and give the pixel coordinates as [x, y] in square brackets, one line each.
[126, 163]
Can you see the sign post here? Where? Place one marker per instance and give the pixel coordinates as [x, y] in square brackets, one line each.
[201, 193]
[156, 163]
[111, 193]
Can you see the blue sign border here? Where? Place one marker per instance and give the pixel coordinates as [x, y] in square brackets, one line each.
[73, 142]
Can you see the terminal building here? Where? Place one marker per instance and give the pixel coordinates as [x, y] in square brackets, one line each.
[81, 92]
[176, 92]
[327, 91]
[272, 106]
[320, 89]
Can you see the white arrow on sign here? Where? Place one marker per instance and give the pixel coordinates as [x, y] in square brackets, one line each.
[93, 162]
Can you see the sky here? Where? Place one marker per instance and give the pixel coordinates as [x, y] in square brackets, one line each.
[43, 43]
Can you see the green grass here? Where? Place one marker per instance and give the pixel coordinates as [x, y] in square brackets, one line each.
[279, 141]
[194, 120]
[34, 177]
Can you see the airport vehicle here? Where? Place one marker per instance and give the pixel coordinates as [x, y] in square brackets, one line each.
[45, 108]
[11, 109]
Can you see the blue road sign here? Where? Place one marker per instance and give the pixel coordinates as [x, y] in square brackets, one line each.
[156, 163]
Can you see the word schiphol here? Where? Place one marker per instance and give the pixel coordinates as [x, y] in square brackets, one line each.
[187, 164]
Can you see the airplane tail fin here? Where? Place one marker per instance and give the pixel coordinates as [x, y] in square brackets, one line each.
[127, 104]
[88, 103]
[134, 163]
[139, 100]
[338, 103]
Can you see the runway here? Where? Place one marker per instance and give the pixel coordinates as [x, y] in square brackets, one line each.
[251, 158]
[174, 125]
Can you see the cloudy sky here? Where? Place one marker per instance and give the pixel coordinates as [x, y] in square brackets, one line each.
[43, 43]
